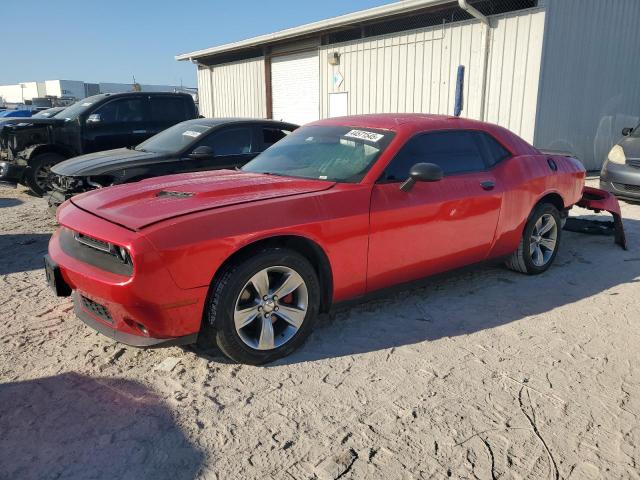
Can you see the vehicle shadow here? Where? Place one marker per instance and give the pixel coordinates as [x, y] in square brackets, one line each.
[73, 426]
[10, 202]
[14, 257]
[474, 299]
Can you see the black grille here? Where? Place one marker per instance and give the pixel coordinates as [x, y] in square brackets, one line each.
[93, 242]
[98, 310]
[94, 252]
[627, 188]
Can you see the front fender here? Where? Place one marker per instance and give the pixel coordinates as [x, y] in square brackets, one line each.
[30, 152]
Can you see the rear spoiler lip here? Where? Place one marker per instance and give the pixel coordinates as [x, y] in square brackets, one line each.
[560, 153]
[600, 200]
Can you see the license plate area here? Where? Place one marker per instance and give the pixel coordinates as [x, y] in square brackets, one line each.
[54, 278]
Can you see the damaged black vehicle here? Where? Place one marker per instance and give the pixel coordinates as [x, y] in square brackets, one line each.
[29, 147]
[191, 146]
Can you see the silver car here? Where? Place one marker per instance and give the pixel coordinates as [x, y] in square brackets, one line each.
[620, 173]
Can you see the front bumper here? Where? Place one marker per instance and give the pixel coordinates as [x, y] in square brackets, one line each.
[55, 199]
[11, 173]
[621, 180]
[144, 309]
[120, 336]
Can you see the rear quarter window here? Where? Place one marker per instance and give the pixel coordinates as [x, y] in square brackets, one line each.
[168, 109]
[493, 151]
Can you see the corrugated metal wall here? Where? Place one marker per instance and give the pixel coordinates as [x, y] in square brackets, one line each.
[233, 89]
[590, 71]
[205, 93]
[415, 71]
[412, 71]
[514, 71]
[408, 72]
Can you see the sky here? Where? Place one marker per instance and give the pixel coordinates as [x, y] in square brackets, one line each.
[115, 40]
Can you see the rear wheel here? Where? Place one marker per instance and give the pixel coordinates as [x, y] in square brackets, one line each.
[263, 307]
[539, 243]
[38, 176]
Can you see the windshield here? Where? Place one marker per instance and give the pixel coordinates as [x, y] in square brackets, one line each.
[174, 139]
[47, 113]
[636, 132]
[78, 108]
[338, 154]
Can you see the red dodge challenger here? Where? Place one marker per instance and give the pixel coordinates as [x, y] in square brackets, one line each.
[339, 208]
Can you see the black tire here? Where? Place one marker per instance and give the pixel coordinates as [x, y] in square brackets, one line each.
[37, 166]
[521, 260]
[225, 291]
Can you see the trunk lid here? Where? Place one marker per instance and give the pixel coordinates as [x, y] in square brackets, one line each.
[141, 204]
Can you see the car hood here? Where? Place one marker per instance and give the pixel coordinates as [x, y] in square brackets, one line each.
[141, 204]
[631, 147]
[23, 123]
[100, 163]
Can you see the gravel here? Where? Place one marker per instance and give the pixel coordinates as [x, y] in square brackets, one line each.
[481, 373]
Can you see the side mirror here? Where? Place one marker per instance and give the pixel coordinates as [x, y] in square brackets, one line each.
[203, 151]
[626, 132]
[94, 119]
[422, 172]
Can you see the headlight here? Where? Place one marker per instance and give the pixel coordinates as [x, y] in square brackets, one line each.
[616, 155]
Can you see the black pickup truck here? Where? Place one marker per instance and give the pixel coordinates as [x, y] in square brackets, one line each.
[29, 147]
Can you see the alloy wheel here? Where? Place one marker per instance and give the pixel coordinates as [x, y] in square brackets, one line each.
[271, 308]
[543, 241]
[43, 176]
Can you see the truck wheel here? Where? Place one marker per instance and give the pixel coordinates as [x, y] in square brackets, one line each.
[263, 307]
[38, 175]
[539, 243]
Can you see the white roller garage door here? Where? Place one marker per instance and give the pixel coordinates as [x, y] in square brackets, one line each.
[295, 87]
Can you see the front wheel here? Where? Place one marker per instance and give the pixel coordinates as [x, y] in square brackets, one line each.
[539, 243]
[38, 176]
[264, 307]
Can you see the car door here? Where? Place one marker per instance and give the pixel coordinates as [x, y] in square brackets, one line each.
[232, 147]
[114, 124]
[435, 226]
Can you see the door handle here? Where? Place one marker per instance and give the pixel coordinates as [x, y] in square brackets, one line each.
[488, 185]
[139, 131]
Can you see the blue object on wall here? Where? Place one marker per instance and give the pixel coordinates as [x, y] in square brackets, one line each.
[459, 92]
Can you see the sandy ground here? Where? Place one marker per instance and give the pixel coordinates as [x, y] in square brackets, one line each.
[482, 374]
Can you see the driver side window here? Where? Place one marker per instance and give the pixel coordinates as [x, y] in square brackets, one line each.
[230, 141]
[454, 151]
[125, 110]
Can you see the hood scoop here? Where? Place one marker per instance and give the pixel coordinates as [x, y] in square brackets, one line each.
[168, 193]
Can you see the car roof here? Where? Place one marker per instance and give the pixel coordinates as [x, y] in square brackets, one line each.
[410, 123]
[101, 96]
[214, 122]
[399, 121]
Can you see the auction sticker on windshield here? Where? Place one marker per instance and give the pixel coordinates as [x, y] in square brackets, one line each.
[364, 135]
[191, 133]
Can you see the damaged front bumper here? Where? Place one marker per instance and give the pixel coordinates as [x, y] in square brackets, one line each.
[599, 200]
[57, 198]
[11, 173]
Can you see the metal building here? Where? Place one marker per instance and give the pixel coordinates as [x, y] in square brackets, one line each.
[561, 73]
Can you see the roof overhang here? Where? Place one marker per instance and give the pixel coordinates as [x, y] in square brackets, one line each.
[350, 19]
